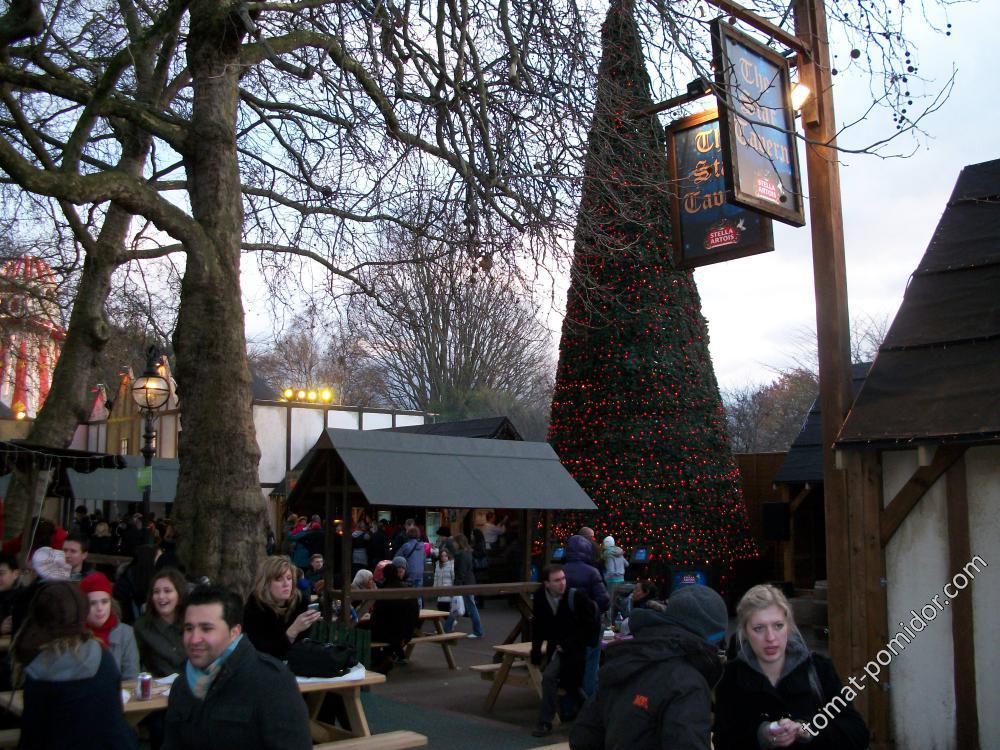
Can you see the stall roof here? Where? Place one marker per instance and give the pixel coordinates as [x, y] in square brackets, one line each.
[937, 374]
[122, 486]
[493, 428]
[804, 461]
[401, 469]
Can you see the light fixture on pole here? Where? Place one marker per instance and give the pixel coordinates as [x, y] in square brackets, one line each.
[150, 392]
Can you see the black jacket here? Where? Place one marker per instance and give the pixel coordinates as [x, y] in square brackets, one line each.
[745, 698]
[267, 630]
[253, 704]
[394, 620]
[73, 699]
[465, 574]
[570, 628]
[655, 692]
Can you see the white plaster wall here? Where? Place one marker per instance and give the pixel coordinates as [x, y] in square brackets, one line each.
[922, 688]
[983, 472]
[307, 426]
[269, 422]
[342, 420]
[376, 421]
[406, 420]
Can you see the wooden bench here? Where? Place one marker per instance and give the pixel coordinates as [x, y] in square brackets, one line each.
[10, 738]
[444, 639]
[384, 741]
[518, 674]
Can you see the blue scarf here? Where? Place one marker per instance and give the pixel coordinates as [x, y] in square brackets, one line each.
[200, 680]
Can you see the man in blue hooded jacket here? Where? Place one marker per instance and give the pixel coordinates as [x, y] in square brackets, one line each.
[581, 574]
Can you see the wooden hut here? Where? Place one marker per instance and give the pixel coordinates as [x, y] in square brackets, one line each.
[924, 433]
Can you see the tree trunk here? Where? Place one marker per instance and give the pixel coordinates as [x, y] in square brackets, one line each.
[219, 509]
[69, 401]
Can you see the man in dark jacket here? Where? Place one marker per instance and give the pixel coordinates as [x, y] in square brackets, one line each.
[566, 620]
[655, 691]
[581, 574]
[230, 696]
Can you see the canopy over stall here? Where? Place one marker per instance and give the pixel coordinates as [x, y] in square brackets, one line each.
[353, 468]
[15, 454]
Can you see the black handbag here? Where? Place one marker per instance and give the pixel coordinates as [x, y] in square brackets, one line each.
[308, 658]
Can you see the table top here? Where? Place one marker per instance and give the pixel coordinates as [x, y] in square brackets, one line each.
[433, 614]
[14, 701]
[516, 649]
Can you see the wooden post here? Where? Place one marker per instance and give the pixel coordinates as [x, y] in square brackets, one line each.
[962, 632]
[832, 323]
[529, 525]
[345, 546]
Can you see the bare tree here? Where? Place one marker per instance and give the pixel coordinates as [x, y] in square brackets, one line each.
[768, 417]
[447, 332]
[316, 351]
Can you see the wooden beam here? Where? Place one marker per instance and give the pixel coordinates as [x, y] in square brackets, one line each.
[826, 224]
[874, 633]
[962, 630]
[916, 487]
[345, 546]
[763, 25]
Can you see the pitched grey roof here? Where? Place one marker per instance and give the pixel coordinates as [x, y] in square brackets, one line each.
[400, 469]
[937, 374]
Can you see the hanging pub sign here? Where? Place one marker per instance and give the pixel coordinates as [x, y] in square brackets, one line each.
[758, 125]
[707, 227]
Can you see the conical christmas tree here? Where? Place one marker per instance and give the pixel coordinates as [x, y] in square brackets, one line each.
[636, 414]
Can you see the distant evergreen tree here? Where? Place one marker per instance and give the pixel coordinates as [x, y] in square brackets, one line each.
[636, 414]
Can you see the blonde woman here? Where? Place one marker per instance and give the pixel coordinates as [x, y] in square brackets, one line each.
[773, 689]
[276, 613]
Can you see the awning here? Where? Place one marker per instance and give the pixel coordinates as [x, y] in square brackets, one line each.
[122, 486]
[401, 469]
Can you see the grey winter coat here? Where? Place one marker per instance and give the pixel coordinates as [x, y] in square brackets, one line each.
[121, 644]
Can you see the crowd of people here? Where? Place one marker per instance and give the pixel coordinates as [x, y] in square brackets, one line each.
[665, 684]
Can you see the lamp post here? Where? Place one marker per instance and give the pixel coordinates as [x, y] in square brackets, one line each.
[150, 392]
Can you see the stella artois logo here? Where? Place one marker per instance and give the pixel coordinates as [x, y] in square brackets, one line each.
[722, 234]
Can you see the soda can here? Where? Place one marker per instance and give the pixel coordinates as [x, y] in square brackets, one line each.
[144, 686]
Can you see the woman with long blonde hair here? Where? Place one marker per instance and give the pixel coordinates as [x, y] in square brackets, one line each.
[276, 613]
[770, 695]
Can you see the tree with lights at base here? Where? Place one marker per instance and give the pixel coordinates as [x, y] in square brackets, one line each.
[636, 414]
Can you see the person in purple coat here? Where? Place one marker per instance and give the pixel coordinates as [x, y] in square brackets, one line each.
[581, 574]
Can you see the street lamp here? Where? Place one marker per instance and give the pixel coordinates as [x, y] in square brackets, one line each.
[150, 392]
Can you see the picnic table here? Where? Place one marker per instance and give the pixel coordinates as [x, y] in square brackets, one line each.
[439, 636]
[515, 656]
[312, 690]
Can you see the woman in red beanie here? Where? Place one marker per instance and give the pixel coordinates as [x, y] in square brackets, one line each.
[102, 620]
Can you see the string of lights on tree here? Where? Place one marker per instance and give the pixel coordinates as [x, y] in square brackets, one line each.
[636, 413]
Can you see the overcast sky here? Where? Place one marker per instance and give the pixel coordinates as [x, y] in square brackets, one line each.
[755, 305]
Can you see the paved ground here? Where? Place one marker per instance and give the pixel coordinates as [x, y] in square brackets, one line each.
[447, 705]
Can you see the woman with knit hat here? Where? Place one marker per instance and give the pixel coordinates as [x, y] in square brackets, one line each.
[104, 624]
[72, 689]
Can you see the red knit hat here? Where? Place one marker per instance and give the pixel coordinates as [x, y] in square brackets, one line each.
[95, 582]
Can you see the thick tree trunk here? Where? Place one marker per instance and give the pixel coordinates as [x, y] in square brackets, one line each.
[219, 509]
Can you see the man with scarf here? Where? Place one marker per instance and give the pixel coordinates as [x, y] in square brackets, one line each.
[656, 690]
[230, 696]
